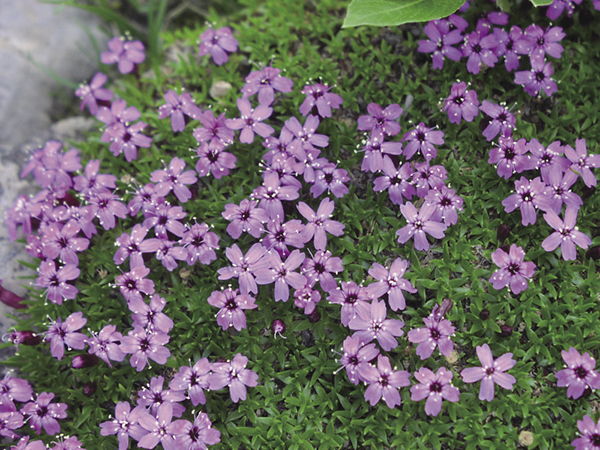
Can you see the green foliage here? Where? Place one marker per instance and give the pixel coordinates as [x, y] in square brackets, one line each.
[303, 400]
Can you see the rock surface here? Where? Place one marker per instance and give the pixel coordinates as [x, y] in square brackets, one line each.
[35, 35]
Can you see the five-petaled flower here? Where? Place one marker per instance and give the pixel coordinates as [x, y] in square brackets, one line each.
[491, 372]
[514, 271]
[590, 434]
[578, 374]
[434, 387]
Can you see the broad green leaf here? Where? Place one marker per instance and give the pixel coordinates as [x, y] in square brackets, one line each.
[383, 13]
[541, 2]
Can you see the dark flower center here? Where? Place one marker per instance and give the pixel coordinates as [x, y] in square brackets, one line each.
[581, 372]
[133, 248]
[395, 180]
[541, 41]
[539, 76]
[446, 201]
[144, 345]
[502, 117]
[213, 156]
[317, 94]
[126, 137]
[477, 48]
[435, 387]
[421, 136]
[527, 197]
[319, 268]
[559, 191]
[384, 380]
[230, 305]
[352, 298]
[158, 398]
[509, 153]
[280, 236]
[42, 411]
[328, 178]
[245, 215]
[194, 434]
[353, 360]
[509, 45]
[418, 225]
[380, 121]
[489, 371]
[162, 220]
[459, 100]
[265, 82]
[513, 268]
[440, 45]
[53, 281]
[193, 380]
[250, 121]
[435, 334]
[63, 242]
[546, 159]
[595, 440]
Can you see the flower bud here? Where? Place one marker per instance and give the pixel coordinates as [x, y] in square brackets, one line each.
[278, 327]
[84, 361]
[484, 314]
[24, 337]
[89, 388]
[314, 317]
[593, 253]
[10, 298]
[505, 330]
[505, 248]
[503, 232]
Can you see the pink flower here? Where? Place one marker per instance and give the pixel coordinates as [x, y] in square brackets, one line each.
[461, 103]
[232, 307]
[514, 271]
[579, 373]
[491, 372]
[434, 387]
[234, 375]
[244, 267]
[133, 283]
[217, 43]
[391, 282]
[91, 93]
[174, 178]
[419, 224]
[265, 82]
[590, 434]
[55, 281]
[385, 382]
[371, 323]
[318, 95]
[197, 435]
[251, 121]
[150, 316]
[176, 107]
[356, 358]
[142, 345]
[436, 333]
[245, 217]
[319, 223]
[124, 424]
[565, 234]
[42, 413]
[582, 163]
[282, 274]
[125, 53]
[65, 333]
[381, 122]
[194, 379]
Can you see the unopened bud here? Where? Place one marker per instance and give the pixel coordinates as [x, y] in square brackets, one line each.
[89, 388]
[484, 314]
[593, 253]
[314, 317]
[503, 232]
[24, 337]
[505, 248]
[505, 330]
[10, 298]
[278, 327]
[84, 361]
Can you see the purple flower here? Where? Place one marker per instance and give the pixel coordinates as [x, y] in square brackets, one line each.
[558, 6]
[426, 177]
[245, 217]
[440, 42]
[511, 157]
[145, 199]
[125, 53]
[165, 218]
[91, 93]
[244, 267]
[51, 167]
[502, 121]
[10, 420]
[42, 413]
[232, 306]
[105, 345]
[154, 395]
[142, 345]
[447, 203]
[356, 358]
[176, 107]
[330, 179]
[214, 129]
[461, 103]
[419, 224]
[434, 387]
[91, 182]
[351, 297]
[514, 271]
[374, 152]
[370, 323]
[13, 388]
[64, 333]
[479, 49]
[528, 197]
[127, 139]
[422, 139]
[396, 181]
[217, 43]
[24, 444]
[280, 235]
[318, 95]
[106, 206]
[271, 193]
[538, 78]
[390, 282]
[265, 82]
[198, 435]
[55, 281]
[385, 382]
[173, 178]
[565, 234]
[167, 252]
[234, 375]
[319, 223]
[212, 159]
[579, 373]
[544, 158]
[381, 122]
[251, 121]
[150, 317]
[590, 434]
[319, 268]
[306, 133]
[436, 333]
[62, 241]
[116, 118]
[133, 283]
[124, 424]
[490, 373]
[544, 42]
[194, 379]
[282, 273]
[559, 185]
[307, 298]
[200, 244]
[581, 162]
[161, 429]
[130, 247]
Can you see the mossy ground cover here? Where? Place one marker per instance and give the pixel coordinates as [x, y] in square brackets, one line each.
[303, 400]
